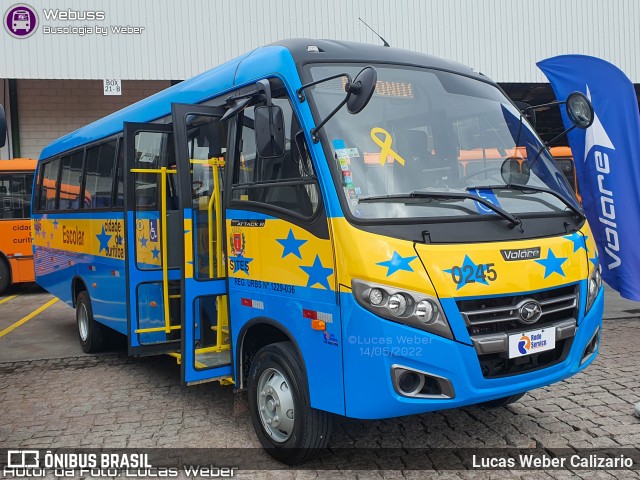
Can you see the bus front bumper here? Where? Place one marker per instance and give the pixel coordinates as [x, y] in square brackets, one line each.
[375, 351]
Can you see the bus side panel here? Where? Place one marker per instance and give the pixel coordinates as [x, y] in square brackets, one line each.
[15, 245]
[268, 282]
[69, 246]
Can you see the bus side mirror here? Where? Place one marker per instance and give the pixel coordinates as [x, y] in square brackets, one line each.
[360, 91]
[3, 127]
[269, 130]
[579, 110]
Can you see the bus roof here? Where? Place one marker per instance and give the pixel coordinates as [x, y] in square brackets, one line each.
[282, 57]
[18, 165]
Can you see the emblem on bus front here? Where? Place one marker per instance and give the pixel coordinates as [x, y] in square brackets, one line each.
[529, 312]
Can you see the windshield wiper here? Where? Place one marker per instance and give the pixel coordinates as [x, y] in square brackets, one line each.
[512, 219]
[531, 188]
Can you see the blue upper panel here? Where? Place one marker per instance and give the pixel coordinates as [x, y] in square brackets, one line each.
[259, 63]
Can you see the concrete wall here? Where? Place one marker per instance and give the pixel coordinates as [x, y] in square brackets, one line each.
[49, 109]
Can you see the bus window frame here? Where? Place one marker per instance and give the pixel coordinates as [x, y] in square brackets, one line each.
[10, 173]
[118, 137]
[313, 223]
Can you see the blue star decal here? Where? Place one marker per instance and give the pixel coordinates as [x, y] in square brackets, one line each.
[396, 263]
[291, 244]
[318, 274]
[156, 252]
[143, 241]
[579, 241]
[55, 224]
[119, 239]
[104, 238]
[594, 260]
[462, 271]
[552, 264]
[240, 264]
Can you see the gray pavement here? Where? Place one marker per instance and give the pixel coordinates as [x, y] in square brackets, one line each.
[53, 396]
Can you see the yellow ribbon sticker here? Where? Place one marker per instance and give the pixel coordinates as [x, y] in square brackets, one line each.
[385, 145]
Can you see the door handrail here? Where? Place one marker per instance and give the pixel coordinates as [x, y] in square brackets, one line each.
[163, 171]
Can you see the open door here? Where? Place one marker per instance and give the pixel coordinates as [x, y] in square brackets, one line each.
[153, 239]
[201, 141]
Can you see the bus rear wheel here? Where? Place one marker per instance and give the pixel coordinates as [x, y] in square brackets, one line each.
[288, 428]
[4, 276]
[92, 335]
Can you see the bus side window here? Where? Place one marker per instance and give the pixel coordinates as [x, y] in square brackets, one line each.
[48, 185]
[118, 199]
[294, 165]
[99, 175]
[70, 180]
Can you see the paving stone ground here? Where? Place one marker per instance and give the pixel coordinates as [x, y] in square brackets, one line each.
[113, 401]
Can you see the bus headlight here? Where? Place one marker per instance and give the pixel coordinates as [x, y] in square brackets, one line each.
[593, 286]
[410, 308]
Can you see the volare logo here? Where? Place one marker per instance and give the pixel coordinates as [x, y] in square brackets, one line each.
[21, 21]
[514, 254]
[599, 149]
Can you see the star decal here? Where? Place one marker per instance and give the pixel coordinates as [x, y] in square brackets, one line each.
[103, 238]
[318, 274]
[552, 264]
[241, 264]
[467, 264]
[156, 252]
[55, 224]
[291, 245]
[397, 262]
[579, 241]
[594, 260]
[143, 241]
[119, 239]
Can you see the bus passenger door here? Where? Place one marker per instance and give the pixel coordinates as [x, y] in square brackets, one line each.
[201, 141]
[153, 239]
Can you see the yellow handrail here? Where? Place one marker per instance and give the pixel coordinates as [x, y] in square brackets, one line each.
[163, 171]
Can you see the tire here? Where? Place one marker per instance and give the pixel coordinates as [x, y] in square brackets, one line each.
[307, 432]
[502, 402]
[92, 335]
[4, 276]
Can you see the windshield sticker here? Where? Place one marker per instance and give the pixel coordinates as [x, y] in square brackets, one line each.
[385, 144]
[488, 195]
[338, 144]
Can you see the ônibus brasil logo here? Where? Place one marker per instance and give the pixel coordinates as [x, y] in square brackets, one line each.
[21, 21]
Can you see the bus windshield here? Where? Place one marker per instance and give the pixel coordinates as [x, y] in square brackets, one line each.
[434, 131]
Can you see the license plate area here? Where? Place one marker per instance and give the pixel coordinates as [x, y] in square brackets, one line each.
[532, 341]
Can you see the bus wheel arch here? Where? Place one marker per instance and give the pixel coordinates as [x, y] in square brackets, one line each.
[77, 286]
[5, 273]
[256, 334]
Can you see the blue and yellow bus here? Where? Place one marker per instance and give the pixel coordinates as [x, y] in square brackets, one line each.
[303, 222]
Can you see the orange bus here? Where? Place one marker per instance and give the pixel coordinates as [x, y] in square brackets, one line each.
[16, 256]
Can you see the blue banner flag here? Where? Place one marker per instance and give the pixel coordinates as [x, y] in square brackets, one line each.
[607, 160]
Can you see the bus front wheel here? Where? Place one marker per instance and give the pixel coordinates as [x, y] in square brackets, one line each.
[92, 334]
[4, 276]
[286, 425]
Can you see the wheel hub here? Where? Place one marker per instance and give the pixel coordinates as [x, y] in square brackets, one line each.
[275, 404]
[83, 323]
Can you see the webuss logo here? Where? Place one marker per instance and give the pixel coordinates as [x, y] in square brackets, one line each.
[21, 21]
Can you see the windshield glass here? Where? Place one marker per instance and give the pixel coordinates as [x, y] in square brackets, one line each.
[433, 131]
